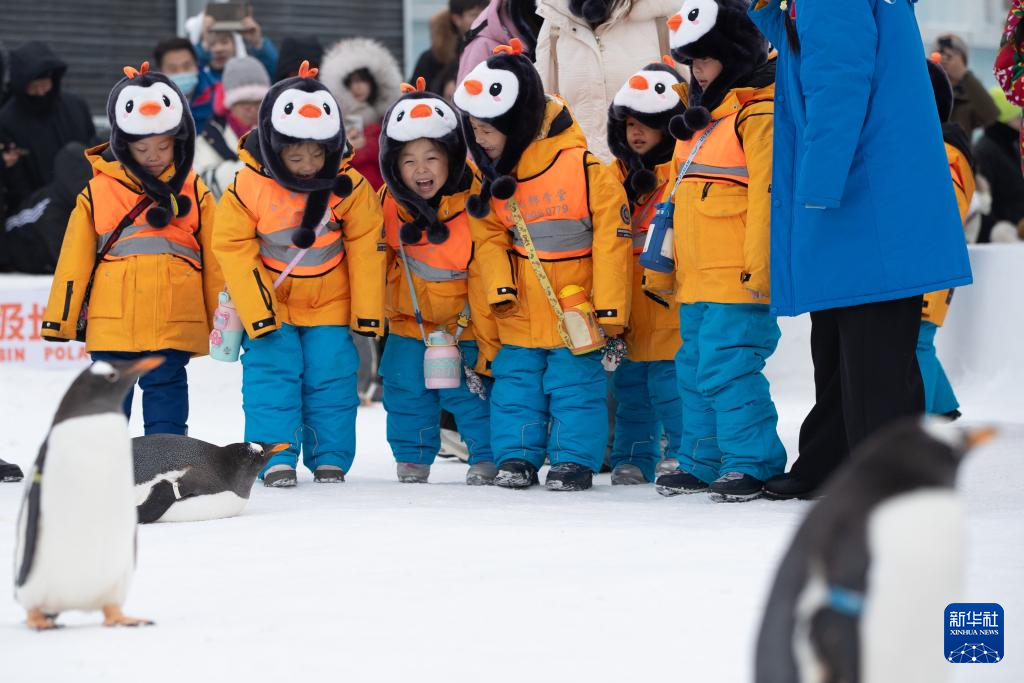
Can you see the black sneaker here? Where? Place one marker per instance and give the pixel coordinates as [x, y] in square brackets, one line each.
[10, 472]
[788, 487]
[569, 476]
[735, 487]
[516, 474]
[677, 482]
[280, 477]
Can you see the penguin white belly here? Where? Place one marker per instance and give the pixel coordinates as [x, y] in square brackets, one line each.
[200, 508]
[916, 544]
[85, 551]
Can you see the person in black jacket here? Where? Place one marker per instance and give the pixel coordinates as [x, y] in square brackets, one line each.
[37, 120]
[32, 237]
[998, 158]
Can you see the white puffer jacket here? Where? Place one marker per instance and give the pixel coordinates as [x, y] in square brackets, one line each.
[588, 66]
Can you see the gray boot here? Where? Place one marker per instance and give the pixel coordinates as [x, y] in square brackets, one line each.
[413, 473]
[329, 474]
[481, 474]
[627, 474]
[667, 466]
[280, 477]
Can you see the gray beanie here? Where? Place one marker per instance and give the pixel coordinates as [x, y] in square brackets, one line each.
[244, 80]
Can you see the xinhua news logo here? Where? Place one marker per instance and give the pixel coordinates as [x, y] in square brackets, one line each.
[974, 633]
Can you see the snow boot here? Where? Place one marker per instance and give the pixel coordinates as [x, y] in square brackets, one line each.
[569, 476]
[735, 487]
[677, 482]
[482, 473]
[413, 473]
[10, 472]
[280, 477]
[788, 487]
[329, 474]
[667, 466]
[516, 474]
[626, 474]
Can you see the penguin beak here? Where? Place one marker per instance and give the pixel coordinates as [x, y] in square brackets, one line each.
[638, 82]
[675, 21]
[473, 87]
[150, 108]
[421, 111]
[146, 364]
[310, 111]
[979, 437]
[278, 447]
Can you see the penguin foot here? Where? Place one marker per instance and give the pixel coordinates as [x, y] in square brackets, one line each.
[37, 621]
[113, 616]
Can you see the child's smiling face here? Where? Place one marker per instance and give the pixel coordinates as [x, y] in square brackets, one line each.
[303, 160]
[490, 139]
[155, 153]
[423, 166]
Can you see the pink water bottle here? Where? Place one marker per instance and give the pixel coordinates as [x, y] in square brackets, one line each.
[226, 335]
[442, 362]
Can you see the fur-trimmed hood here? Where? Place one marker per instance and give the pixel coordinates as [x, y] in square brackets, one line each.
[349, 55]
[444, 41]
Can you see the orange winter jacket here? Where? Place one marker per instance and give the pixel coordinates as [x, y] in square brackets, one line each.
[446, 277]
[156, 288]
[340, 280]
[722, 206]
[653, 330]
[936, 304]
[578, 217]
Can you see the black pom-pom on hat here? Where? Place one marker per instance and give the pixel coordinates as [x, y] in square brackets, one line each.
[678, 128]
[595, 11]
[697, 118]
[503, 187]
[477, 206]
[411, 232]
[158, 217]
[437, 232]
[643, 181]
[184, 205]
[343, 186]
[303, 238]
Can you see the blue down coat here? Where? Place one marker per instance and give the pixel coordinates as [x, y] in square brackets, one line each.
[857, 132]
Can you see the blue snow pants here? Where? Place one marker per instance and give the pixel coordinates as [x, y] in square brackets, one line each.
[729, 419]
[939, 398]
[164, 390]
[647, 398]
[299, 387]
[548, 401]
[413, 427]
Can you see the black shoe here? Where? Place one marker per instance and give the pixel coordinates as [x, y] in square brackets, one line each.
[953, 415]
[569, 476]
[674, 483]
[329, 474]
[10, 472]
[280, 477]
[735, 487]
[788, 487]
[516, 474]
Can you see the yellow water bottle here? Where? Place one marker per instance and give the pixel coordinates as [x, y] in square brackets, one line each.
[581, 324]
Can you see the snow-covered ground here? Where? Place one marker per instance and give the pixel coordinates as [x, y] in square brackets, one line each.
[374, 580]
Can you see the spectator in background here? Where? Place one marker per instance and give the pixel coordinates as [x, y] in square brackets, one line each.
[177, 58]
[447, 29]
[37, 121]
[998, 158]
[972, 106]
[31, 238]
[365, 79]
[219, 43]
[295, 50]
[244, 84]
[502, 21]
[588, 48]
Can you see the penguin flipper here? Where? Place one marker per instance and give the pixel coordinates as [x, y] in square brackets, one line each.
[28, 520]
[836, 640]
[160, 499]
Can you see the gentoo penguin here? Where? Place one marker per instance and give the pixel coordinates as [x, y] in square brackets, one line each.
[181, 479]
[651, 97]
[506, 92]
[146, 103]
[423, 114]
[76, 531]
[874, 562]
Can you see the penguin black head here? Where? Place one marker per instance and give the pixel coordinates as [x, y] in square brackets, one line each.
[102, 386]
[145, 104]
[420, 115]
[504, 92]
[649, 97]
[240, 463]
[721, 30]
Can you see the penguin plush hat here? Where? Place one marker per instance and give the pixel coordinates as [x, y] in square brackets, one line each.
[146, 103]
[716, 29]
[421, 114]
[295, 110]
[649, 96]
[506, 92]
[76, 531]
[879, 555]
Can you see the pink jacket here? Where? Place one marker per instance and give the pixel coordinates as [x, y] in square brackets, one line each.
[498, 31]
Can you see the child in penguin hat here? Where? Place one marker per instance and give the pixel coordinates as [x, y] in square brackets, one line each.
[150, 218]
[644, 385]
[430, 251]
[721, 229]
[298, 238]
[575, 217]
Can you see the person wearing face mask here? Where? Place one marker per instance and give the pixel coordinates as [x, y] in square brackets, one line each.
[37, 121]
[176, 58]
